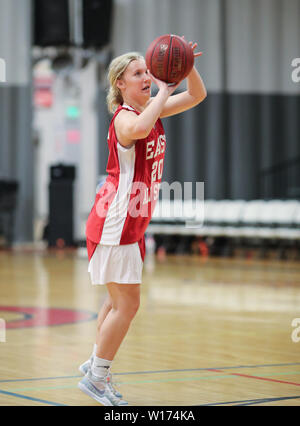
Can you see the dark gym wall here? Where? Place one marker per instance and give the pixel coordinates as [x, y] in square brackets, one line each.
[16, 147]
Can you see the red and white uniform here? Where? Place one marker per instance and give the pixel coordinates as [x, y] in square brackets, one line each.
[125, 203]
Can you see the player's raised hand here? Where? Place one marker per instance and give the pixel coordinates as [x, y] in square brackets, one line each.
[162, 85]
[193, 46]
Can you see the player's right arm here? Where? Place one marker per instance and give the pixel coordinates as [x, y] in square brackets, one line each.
[130, 127]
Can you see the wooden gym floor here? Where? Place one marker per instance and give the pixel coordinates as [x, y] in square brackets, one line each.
[208, 332]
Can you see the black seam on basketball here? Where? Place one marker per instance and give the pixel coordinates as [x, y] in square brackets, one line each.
[185, 56]
[153, 50]
[171, 37]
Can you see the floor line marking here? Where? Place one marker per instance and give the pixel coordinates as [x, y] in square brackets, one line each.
[40, 379]
[31, 399]
[155, 372]
[259, 378]
[266, 400]
[266, 379]
[130, 382]
[253, 401]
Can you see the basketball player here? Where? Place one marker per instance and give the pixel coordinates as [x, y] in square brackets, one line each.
[124, 204]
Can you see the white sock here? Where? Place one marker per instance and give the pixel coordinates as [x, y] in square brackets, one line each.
[94, 351]
[100, 367]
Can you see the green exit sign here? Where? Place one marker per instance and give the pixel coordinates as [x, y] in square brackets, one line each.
[73, 112]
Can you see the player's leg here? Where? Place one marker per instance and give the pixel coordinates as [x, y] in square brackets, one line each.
[105, 308]
[84, 368]
[125, 300]
[125, 303]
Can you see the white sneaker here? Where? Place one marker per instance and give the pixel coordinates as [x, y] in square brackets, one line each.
[100, 390]
[86, 366]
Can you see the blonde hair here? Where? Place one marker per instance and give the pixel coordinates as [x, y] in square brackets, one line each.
[115, 71]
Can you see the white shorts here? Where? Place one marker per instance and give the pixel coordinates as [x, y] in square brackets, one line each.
[119, 264]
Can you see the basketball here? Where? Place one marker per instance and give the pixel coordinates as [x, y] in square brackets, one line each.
[170, 58]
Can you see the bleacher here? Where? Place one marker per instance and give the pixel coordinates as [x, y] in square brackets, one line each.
[268, 219]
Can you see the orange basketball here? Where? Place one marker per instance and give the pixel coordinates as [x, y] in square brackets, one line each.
[170, 58]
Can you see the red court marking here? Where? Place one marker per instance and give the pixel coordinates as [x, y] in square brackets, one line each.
[256, 377]
[45, 317]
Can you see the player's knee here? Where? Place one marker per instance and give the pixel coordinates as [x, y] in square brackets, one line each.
[135, 307]
[108, 303]
[130, 306]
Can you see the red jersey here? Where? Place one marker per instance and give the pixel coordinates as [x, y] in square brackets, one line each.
[125, 202]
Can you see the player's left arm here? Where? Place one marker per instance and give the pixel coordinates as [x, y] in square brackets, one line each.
[195, 93]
